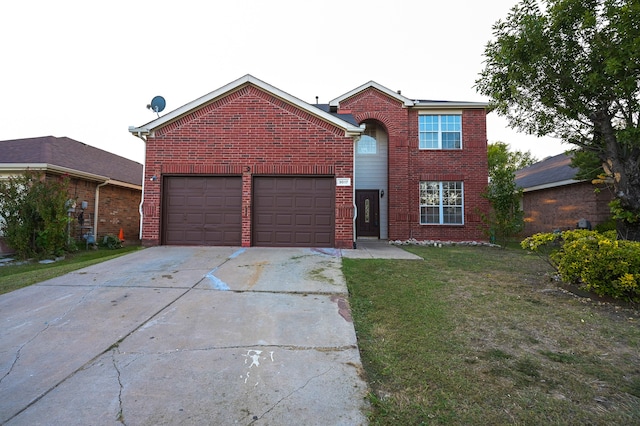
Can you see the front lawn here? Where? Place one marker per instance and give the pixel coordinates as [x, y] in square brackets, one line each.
[13, 277]
[478, 335]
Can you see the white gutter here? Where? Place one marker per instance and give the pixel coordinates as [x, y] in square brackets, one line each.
[141, 133]
[45, 167]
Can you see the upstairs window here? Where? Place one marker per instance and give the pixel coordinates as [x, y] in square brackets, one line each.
[440, 131]
[367, 145]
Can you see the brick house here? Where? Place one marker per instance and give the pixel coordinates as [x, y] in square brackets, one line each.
[553, 199]
[105, 187]
[251, 165]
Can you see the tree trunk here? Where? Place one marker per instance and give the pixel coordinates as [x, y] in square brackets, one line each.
[628, 231]
[623, 164]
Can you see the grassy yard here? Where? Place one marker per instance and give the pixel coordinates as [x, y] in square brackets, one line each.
[13, 277]
[479, 336]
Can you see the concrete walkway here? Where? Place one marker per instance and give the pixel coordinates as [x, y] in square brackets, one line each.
[378, 249]
[185, 335]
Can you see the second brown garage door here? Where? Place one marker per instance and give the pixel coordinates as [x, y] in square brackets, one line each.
[293, 211]
[202, 210]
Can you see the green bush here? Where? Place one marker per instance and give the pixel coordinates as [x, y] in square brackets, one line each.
[111, 242]
[598, 262]
[34, 215]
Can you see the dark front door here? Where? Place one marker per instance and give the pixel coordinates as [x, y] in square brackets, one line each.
[368, 221]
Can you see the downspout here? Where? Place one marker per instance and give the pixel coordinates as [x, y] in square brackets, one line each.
[144, 165]
[353, 190]
[95, 209]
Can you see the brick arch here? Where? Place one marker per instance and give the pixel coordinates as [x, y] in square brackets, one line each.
[376, 116]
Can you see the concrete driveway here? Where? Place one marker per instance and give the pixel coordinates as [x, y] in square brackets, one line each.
[180, 335]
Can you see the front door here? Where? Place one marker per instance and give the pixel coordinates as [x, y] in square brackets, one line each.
[368, 221]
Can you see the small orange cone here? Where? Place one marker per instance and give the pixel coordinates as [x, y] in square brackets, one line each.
[121, 235]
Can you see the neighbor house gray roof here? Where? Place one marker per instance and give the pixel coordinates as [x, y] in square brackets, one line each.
[67, 154]
[550, 172]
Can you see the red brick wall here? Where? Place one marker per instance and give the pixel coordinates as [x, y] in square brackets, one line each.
[249, 132]
[408, 166]
[562, 207]
[118, 208]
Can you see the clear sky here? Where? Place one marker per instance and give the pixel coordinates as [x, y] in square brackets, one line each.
[87, 69]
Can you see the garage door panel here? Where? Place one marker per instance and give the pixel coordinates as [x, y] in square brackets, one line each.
[202, 210]
[323, 220]
[286, 211]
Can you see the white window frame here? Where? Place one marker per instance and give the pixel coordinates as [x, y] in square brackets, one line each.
[440, 131]
[423, 203]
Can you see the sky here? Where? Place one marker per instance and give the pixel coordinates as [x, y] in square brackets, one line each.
[87, 70]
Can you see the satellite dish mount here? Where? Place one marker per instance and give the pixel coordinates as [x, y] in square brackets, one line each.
[157, 105]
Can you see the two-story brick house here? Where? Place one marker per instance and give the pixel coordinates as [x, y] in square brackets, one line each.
[251, 165]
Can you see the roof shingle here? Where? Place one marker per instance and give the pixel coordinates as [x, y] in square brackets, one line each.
[71, 154]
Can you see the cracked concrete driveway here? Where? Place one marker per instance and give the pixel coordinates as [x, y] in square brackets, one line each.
[184, 335]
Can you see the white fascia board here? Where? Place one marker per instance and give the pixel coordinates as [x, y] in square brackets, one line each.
[18, 168]
[405, 101]
[234, 85]
[552, 185]
[450, 105]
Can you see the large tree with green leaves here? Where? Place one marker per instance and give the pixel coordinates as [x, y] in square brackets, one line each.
[571, 69]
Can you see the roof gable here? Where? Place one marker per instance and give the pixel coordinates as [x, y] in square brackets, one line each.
[372, 84]
[349, 128]
[67, 153]
[417, 103]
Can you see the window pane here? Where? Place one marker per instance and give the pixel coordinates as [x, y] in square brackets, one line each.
[367, 145]
[440, 131]
[451, 140]
[441, 203]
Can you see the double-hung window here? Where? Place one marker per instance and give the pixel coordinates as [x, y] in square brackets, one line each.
[441, 203]
[440, 131]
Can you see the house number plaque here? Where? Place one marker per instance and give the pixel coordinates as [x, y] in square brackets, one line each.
[343, 181]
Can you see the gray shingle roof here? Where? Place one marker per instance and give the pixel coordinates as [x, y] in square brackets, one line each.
[345, 117]
[550, 170]
[71, 154]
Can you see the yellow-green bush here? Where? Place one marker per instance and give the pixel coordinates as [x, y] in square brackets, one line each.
[598, 262]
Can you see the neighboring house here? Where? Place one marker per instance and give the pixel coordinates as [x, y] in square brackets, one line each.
[251, 165]
[554, 200]
[105, 187]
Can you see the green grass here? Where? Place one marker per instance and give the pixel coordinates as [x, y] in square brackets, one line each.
[477, 335]
[13, 277]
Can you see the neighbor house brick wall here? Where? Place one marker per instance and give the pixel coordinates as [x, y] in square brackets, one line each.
[246, 133]
[408, 165]
[563, 206]
[118, 209]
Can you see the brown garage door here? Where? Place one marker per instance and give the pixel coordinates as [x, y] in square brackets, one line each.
[202, 210]
[293, 211]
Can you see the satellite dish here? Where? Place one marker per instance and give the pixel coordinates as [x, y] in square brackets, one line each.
[157, 104]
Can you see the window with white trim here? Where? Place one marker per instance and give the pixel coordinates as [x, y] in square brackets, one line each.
[440, 131]
[367, 145]
[441, 203]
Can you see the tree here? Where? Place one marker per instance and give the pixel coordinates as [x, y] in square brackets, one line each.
[506, 218]
[33, 214]
[572, 71]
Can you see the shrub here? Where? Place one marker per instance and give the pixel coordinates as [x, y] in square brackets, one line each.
[111, 242]
[598, 262]
[34, 214]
